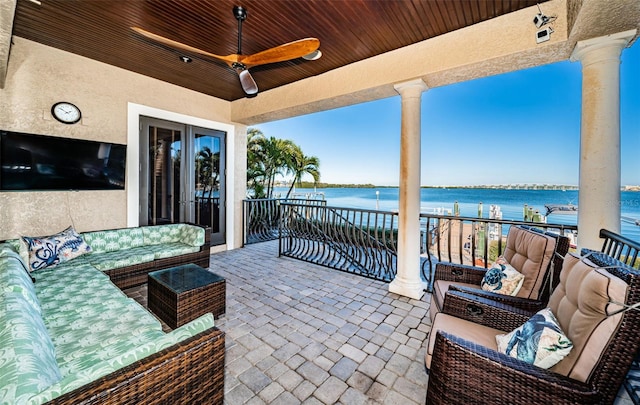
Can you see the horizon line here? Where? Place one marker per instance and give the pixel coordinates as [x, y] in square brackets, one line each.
[626, 187]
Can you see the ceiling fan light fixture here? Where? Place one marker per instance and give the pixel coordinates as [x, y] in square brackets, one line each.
[315, 55]
[248, 84]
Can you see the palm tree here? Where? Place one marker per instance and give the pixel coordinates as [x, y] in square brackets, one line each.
[280, 154]
[256, 169]
[268, 158]
[207, 170]
[299, 165]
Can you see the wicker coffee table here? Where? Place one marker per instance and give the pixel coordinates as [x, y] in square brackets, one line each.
[181, 294]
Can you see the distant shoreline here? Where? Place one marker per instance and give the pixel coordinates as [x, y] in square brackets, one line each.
[309, 185]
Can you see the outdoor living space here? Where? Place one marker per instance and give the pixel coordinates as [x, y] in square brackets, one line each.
[301, 333]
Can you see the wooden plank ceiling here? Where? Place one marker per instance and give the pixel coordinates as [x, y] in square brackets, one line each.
[349, 31]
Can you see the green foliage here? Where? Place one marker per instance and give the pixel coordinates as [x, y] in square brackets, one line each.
[268, 158]
[635, 265]
[493, 250]
[207, 171]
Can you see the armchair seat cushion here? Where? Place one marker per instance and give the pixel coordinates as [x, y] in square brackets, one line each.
[473, 332]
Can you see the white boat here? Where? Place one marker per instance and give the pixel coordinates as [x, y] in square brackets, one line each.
[561, 209]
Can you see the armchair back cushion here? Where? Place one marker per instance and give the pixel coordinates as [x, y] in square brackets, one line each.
[583, 303]
[530, 253]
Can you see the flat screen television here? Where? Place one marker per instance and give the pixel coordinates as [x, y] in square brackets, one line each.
[39, 162]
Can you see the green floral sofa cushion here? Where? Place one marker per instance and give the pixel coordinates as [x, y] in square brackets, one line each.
[21, 247]
[27, 356]
[15, 277]
[90, 319]
[122, 258]
[172, 233]
[74, 296]
[77, 271]
[171, 249]
[156, 235]
[192, 235]
[7, 248]
[101, 369]
[114, 240]
[76, 287]
[91, 326]
[78, 359]
[98, 326]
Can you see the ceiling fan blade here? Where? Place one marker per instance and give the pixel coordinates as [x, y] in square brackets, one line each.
[229, 59]
[281, 53]
[248, 84]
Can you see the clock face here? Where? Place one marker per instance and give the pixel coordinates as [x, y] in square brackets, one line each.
[66, 113]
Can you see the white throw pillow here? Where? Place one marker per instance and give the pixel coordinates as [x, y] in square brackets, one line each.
[49, 251]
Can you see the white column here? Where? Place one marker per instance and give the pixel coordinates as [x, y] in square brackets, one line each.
[599, 195]
[407, 281]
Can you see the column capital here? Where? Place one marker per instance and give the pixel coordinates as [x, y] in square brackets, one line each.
[415, 87]
[614, 42]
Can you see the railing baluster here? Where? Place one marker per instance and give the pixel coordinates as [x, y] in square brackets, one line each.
[365, 241]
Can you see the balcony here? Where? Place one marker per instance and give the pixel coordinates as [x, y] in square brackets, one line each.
[298, 332]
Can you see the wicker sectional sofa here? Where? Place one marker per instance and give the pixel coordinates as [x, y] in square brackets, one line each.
[69, 335]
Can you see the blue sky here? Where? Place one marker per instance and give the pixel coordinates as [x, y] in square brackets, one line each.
[519, 127]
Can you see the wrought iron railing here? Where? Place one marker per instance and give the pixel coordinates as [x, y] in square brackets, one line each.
[261, 218]
[365, 241]
[362, 242]
[621, 248]
[472, 241]
[207, 211]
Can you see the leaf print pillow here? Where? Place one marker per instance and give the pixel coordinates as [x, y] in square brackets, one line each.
[539, 341]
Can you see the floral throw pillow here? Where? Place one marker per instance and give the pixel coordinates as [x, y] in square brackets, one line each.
[502, 278]
[539, 341]
[49, 251]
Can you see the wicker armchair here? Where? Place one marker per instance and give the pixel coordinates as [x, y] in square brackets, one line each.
[465, 367]
[536, 254]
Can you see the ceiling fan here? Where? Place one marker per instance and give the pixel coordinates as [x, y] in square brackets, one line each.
[306, 48]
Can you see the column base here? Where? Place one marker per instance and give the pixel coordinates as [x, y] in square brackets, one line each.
[413, 290]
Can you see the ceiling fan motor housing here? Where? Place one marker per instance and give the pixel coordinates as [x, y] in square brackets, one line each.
[240, 13]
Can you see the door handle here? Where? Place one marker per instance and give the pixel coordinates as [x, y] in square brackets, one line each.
[474, 310]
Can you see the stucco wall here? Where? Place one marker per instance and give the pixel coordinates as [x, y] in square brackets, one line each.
[38, 76]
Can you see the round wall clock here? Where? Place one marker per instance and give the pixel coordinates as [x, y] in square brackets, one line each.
[66, 112]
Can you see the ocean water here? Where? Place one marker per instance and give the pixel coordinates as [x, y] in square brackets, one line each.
[511, 202]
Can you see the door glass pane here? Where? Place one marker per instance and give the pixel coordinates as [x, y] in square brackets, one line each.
[183, 167]
[208, 182]
[164, 175]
